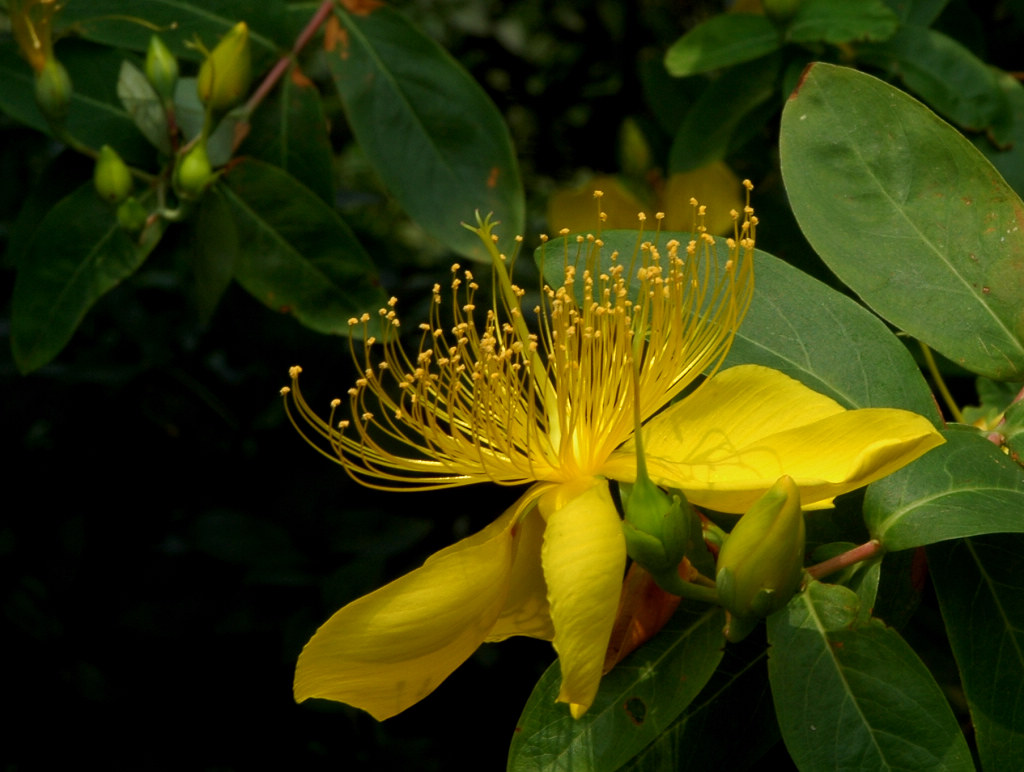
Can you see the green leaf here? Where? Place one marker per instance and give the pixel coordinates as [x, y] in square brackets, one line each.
[909, 215]
[1005, 149]
[215, 250]
[78, 254]
[720, 112]
[841, 21]
[637, 700]
[966, 487]
[180, 23]
[722, 41]
[144, 105]
[944, 73]
[290, 131]
[802, 327]
[298, 256]
[851, 694]
[96, 116]
[919, 12]
[430, 131]
[704, 736]
[980, 586]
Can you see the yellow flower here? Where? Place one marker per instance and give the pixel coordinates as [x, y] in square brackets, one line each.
[492, 401]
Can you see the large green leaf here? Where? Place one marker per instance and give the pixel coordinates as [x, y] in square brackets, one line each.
[290, 131]
[430, 131]
[296, 254]
[637, 700]
[851, 694]
[980, 585]
[722, 41]
[77, 255]
[966, 487]
[96, 116]
[944, 73]
[909, 215]
[179, 23]
[802, 327]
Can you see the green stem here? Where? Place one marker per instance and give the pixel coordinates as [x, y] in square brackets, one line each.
[671, 582]
[940, 384]
[856, 555]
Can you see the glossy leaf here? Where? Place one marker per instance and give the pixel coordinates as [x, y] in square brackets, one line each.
[841, 21]
[77, 255]
[807, 330]
[980, 586]
[722, 41]
[944, 73]
[704, 736]
[637, 700]
[909, 215]
[708, 130]
[296, 254]
[430, 131]
[851, 694]
[966, 487]
[290, 131]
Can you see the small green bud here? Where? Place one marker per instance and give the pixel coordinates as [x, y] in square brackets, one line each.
[111, 177]
[161, 68]
[656, 526]
[761, 563]
[193, 173]
[225, 75]
[53, 90]
[131, 215]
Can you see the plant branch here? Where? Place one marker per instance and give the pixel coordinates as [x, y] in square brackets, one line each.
[856, 555]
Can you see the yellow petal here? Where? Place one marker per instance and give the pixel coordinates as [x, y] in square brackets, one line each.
[584, 556]
[749, 425]
[391, 648]
[526, 609]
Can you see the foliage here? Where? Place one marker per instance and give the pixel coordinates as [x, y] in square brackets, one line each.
[887, 151]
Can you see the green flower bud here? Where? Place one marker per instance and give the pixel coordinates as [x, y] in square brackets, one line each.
[781, 10]
[161, 68]
[111, 177]
[225, 75]
[53, 90]
[656, 526]
[193, 173]
[131, 215]
[761, 563]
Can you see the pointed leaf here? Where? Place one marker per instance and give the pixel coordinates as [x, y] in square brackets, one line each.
[637, 700]
[215, 251]
[851, 694]
[980, 585]
[297, 255]
[963, 488]
[909, 215]
[722, 41]
[144, 105]
[78, 254]
[433, 135]
[841, 21]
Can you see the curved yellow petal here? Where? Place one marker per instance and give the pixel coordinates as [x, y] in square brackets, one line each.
[584, 556]
[391, 648]
[526, 610]
[749, 425]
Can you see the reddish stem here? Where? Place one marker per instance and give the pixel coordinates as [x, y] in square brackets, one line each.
[848, 558]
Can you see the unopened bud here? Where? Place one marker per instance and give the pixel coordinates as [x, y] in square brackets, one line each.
[656, 526]
[131, 215]
[761, 563]
[111, 177]
[161, 68]
[193, 173]
[781, 10]
[53, 90]
[225, 75]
